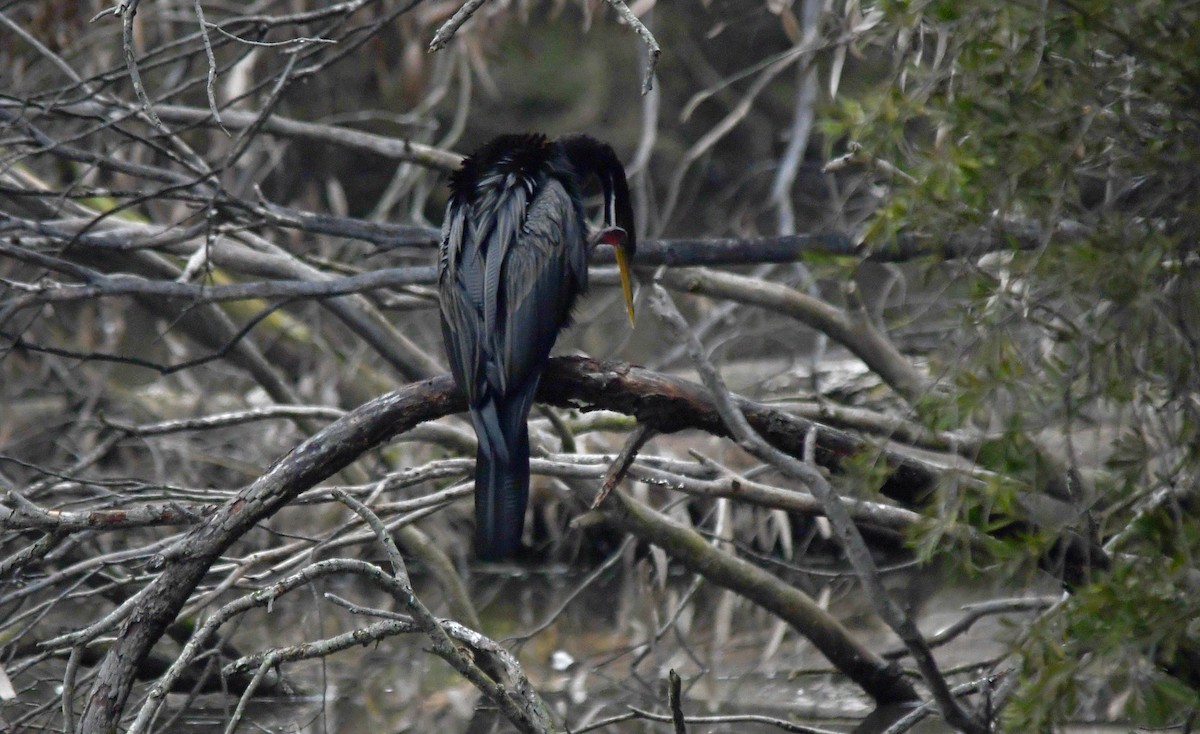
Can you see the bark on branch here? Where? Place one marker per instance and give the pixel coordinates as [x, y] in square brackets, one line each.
[666, 404]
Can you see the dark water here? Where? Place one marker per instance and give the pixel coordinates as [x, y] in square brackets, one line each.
[590, 662]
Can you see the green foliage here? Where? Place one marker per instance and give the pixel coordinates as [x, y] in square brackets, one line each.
[1110, 632]
[1080, 120]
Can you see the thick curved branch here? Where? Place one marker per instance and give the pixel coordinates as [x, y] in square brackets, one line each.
[670, 404]
[883, 682]
[854, 330]
[664, 403]
[186, 563]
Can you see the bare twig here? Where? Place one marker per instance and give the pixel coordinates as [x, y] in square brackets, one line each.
[322, 648]
[802, 119]
[451, 26]
[652, 48]
[636, 713]
[222, 420]
[269, 663]
[127, 13]
[210, 87]
[621, 464]
[68, 688]
[976, 612]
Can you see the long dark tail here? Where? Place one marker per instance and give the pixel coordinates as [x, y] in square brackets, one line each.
[501, 478]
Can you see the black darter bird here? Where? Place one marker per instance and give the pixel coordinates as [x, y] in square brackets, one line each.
[514, 255]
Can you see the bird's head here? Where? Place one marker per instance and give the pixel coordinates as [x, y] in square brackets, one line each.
[590, 156]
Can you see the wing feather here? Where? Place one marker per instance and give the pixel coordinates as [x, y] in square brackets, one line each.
[460, 286]
[513, 261]
[541, 282]
[508, 281]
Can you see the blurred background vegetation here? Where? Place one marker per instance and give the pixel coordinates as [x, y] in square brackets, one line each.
[1036, 165]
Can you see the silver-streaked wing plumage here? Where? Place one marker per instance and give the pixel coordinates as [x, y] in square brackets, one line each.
[513, 261]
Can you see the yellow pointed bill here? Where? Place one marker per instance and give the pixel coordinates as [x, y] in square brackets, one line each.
[626, 281]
